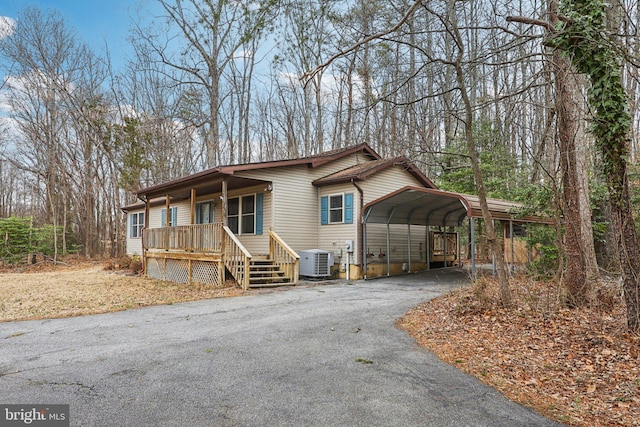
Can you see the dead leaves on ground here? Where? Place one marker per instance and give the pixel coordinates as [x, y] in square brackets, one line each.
[579, 367]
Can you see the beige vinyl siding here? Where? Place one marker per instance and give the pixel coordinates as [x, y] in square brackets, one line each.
[256, 244]
[295, 207]
[332, 237]
[387, 181]
[292, 207]
[183, 214]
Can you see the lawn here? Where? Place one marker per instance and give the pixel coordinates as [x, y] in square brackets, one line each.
[47, 291]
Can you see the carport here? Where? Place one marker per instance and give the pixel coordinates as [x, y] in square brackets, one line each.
[431, 207]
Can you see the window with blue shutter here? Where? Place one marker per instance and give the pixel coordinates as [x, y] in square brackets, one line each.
[259, 214]
[324, 210]
[336, 209]
[348, 208]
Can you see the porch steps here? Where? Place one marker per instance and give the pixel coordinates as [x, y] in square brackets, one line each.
[264, 273]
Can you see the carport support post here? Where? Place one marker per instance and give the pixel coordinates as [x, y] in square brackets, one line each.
[409, 249]
[428, 243]
[364, 249]
[513, 252]
[388, 247]
[445, 246]
[459, 254]
[473, 248]
[389, 217]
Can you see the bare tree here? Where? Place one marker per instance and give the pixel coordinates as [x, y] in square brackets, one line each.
[200, 40]
[44, 57]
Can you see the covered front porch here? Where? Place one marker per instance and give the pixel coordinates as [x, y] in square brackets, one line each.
[198, 246]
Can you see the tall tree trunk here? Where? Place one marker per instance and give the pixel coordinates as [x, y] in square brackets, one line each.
[582, 267]
[587, 42]
[568, 119]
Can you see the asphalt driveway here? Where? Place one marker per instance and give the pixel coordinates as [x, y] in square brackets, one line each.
[322, 355]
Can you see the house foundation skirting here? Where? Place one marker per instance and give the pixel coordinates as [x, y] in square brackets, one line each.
[185, 268]
[379, 269]
[394, 268]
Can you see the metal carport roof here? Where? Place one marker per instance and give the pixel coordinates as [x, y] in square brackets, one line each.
[426, 206]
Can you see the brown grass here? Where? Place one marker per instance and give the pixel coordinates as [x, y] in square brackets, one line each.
[48, 291]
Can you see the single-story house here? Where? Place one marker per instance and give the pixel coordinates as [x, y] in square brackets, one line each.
[347, 212]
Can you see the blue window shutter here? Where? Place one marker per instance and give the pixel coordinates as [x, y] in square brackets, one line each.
[174, 216]
[259, 215]
[348, 208]
[324, 210]
[163, 218]
[131, 225]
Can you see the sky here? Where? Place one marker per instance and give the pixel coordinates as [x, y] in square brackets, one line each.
[94, 21]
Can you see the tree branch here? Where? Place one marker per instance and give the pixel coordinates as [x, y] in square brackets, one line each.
[310, 74]
[531, 21]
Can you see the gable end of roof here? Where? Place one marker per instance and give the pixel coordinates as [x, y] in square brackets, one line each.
[365, 170]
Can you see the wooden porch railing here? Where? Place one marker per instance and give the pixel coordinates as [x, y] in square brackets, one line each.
[283, 256]
[204, 238]
[217, 241]
[236, 257]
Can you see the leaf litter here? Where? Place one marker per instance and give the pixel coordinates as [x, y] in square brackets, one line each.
[580, 367]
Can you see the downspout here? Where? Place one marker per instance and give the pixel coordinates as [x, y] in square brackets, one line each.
[360, 228]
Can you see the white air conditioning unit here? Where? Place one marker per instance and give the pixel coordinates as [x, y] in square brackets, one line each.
[316, 263]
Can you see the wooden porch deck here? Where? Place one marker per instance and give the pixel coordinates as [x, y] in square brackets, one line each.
[206, 253]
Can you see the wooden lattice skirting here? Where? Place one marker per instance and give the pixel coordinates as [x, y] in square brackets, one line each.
[184, 269]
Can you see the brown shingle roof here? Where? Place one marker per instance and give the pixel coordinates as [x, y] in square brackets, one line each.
[311, 161]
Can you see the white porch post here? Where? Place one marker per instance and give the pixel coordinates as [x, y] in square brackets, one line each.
[459, 254]
[365, 251]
